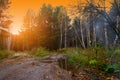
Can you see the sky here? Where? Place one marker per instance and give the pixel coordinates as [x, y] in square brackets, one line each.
[18, 8]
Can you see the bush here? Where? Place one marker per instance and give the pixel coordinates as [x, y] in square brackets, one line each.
[75, 57]
[93, 62]
[110, 69]
[40, 52]
[117, 51]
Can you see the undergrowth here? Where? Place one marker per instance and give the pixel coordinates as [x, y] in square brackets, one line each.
[98, 58]
[40, 52]
[5, 53]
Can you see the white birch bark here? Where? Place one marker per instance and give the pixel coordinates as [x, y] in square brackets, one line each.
[65, 42]
[61, 35]
[81, 31]
[106, 35]
[94, 35]
[88, 37]
[116, 38]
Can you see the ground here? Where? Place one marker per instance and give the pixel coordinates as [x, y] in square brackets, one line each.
[21, 66]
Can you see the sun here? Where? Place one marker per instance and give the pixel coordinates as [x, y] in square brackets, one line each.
[14, 31]
[15, 27]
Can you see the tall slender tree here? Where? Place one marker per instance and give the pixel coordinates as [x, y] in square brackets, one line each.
[4, 22]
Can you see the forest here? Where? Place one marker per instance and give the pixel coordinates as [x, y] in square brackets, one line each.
[86, 34]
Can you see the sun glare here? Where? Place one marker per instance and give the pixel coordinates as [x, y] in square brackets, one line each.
[15, 27]
[14, 31]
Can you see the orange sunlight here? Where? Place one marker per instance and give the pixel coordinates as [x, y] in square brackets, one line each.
[15, 28]
[14, 31]
[18, 9]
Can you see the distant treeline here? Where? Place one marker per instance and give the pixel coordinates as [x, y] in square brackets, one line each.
[52, 27]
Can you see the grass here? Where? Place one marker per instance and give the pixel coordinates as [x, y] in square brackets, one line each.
[5, 54]
[40, 52]
[99, 58]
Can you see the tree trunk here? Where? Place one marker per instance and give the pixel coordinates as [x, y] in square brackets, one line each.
[106, 35]
[9, 43]
[65, 44]
[116, 38]
[88, 38]
[81, 31]
[61, 35]
[94, 36]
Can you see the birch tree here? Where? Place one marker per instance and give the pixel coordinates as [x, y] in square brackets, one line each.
[4, 23]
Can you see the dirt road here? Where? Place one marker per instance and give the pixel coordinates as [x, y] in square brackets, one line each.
[21, 66]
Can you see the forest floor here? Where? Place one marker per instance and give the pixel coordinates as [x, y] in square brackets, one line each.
[21, 66]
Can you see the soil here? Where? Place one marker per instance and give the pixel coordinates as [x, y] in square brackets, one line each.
[21, 66]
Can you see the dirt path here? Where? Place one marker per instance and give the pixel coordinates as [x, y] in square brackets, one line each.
[25, 67]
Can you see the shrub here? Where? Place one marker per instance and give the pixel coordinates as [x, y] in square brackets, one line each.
[110, 69]
[5, 54]
[40, 52]
[117, 51]
[71, 59]
[76, 57]
[93, 62]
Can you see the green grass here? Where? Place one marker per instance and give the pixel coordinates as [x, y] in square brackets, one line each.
[40, 52]
[75, 58]
[5, 54]
[98, 57]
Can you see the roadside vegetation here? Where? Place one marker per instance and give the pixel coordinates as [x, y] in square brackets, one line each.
[40, 52]
[5, 54]
[99, 59]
